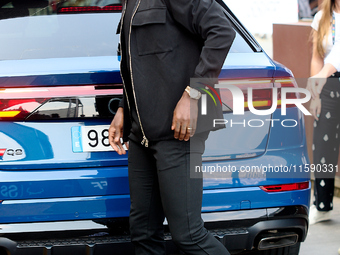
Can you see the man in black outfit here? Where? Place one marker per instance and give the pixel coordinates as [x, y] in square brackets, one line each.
[164, 45]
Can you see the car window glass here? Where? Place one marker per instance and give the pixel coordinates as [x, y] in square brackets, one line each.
[38, 29]
[240, 45]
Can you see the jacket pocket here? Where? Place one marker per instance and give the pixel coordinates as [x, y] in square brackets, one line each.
[152, 32]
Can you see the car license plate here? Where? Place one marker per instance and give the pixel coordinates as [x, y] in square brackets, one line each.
[90, 138]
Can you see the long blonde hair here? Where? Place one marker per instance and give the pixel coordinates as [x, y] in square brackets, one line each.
[327, 8]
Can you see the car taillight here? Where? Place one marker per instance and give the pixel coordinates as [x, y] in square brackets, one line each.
[288, 82]
[19, 104]
[262, 91]
[262, 98]
[90, 9]
[285, 187]
[17, 109]
[8, 114]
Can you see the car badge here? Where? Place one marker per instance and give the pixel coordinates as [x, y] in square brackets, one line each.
[2, 152]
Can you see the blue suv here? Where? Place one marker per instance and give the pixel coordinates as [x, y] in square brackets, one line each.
[62, 187]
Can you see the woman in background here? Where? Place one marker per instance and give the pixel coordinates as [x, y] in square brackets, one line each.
[324, 86]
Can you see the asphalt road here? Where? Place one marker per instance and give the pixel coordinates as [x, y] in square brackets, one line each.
[324, 238]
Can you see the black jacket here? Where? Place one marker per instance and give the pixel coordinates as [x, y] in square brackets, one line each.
[172, 41]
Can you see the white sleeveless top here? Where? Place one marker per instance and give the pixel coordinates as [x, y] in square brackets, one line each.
[332, 52]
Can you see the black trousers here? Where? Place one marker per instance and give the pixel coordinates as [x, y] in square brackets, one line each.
[160, 186]
[326, 144]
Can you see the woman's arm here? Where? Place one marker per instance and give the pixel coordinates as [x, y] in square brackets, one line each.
[318, 68]
[319, 71]
[333, 58]
[326, 71]
[317, 60]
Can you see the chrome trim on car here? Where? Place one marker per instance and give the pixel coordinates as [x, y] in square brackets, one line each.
[12, 228]
[234, 215]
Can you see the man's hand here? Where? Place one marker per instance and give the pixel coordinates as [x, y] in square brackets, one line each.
[116, 132]
[184, 119]
[315, 107]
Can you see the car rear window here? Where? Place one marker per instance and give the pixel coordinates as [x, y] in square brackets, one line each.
[240, 45]
[41, 29]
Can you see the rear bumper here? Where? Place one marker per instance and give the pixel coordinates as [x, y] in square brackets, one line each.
[61, 209]
[249, 238]
[224, 203]
[246, 233]
[243, 232]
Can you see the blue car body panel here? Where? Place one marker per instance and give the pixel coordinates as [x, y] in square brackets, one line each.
[59, 71]
[54, 183]
[247, 65]
[50, 182]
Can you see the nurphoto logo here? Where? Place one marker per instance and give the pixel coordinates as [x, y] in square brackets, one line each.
[238, 99]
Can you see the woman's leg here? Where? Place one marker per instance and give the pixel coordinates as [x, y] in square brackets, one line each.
[326, 144]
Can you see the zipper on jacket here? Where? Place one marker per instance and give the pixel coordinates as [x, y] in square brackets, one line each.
[121, 56]
[145, 141]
